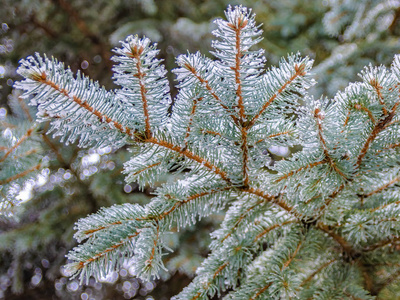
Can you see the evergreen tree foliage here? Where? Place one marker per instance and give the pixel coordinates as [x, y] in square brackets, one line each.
[321, 223]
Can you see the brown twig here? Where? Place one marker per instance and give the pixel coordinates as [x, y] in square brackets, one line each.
[329, 159]
[381, 125]
[23, 138]
[309, 166]
[268, 198]
[312, 275]
[339, 239]
[285, 265]
[25, 109]
[195, 101]
[242, 216]
[299, 71]
[381, 188]
[266, 230]
[135, 53]
[369, 113]
[210, 90]
[20, 175]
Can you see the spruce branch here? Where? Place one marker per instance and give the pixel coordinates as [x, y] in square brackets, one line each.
[300, 214]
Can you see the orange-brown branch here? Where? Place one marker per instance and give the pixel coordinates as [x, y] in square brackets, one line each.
[274, 135]
[146, 168]
[369, 113]
[324, 146]
[330, 198]
[381, 188]
[245, 151]
[285, 265]
[23, 138]
[312, 275]
[25, 108]
[309, 166]
[339, 239]
[191, 156]
[242, 115]
[268, 198]
[193, 197]
[26, 153]
[381, 125]
[242, 216]
[135, 53]
[153, 250]
[210, 90]
[195, 101]
[82, 264]
[20, 175]
[223, 266]
[54, 149]
[381, 244]
[260, 291]
[266, 230]
[159, 217]
[385, 205]
[299, 71]
[378, 89]
[102, 117]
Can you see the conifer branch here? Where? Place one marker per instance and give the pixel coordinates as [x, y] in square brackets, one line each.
[54, 149]
[378, 89]
[383, 206]
[207, 285]
[25, 108]
[329, 159]
[153, 250]
[26, 153]
[381, 125]
[211, 132]
[101, 254]
[367, 278]
[309, 166]
[331, 197]
[21, 140]
[160, 216]
[285, 265]
[392, 278]
[312, 275]
[195, 101]
[363, 108]
[135, 54]
[207, 85]
[274, 135]
[242, 216]
[242, 116]
[124, 129]
[268, 198]
[147, 167]
[381, 244]
[20, 175]
[339, 239]
[191, 156]
[187, 200]
[42, 78]
[299, 71]
[381, 188]
[267, 230]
